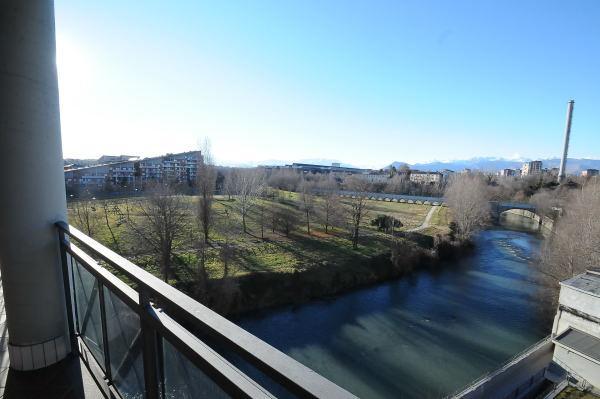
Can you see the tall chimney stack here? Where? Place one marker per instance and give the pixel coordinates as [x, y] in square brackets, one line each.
[563, 162]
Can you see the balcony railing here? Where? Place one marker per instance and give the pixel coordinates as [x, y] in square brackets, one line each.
[146, 339]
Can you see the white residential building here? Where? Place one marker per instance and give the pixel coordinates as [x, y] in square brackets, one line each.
[181, 167]
[576, 329]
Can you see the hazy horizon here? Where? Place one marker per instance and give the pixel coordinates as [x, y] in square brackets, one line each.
[595, 163]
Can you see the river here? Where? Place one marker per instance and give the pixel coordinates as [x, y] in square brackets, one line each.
[424, 335]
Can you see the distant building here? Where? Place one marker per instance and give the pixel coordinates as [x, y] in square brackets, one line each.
[532, 168]
[376, 177]
[104, 159]
[589, 173]
[418, 176]
[507, 173]
[446, 173]
[181, 167]
[333, 168]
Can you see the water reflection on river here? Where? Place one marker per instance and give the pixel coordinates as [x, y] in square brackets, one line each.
[424, 335]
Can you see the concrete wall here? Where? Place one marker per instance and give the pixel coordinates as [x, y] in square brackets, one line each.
[583, 302]
[572, 302]
[506, 380]
[33, 194]
[566, 319]
[586, 369]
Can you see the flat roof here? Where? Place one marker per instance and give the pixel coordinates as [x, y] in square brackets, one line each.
[588, 282]
[580, 342]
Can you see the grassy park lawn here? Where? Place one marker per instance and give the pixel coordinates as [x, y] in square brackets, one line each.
[273, 252]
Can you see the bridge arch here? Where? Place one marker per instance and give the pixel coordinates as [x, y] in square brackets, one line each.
[527, 209]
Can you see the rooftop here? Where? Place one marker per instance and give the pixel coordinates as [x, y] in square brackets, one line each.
[588, 282]
[580, 342]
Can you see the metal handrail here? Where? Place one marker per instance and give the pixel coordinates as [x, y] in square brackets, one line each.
[294, 376]
[490, 374]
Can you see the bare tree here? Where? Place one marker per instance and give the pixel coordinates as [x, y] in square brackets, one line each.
[250, 184]
[467, 197]
[274, 217]
[544, 201]
[574, 245]
[330, 205]
[286, 220]
[160, 221]
[206, 180]
[284, 179]
[201, 273]
[357, 209]
[226, 247]
[87, 216]
[262, 210]
[307, 200]
[109, 210]
[229, 183]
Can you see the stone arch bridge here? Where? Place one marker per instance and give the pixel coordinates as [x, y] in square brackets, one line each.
[499, 207]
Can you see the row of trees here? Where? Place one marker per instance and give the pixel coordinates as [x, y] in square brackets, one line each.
[574, 244]
[163, 221]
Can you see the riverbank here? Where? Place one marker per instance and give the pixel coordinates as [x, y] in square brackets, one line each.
[277, 260]
[239, 295]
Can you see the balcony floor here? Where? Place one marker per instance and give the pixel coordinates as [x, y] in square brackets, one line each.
[68, 379]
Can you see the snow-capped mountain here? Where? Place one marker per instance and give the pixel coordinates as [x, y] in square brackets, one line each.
[488, 164]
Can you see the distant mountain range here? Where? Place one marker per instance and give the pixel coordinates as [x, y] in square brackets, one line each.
[574, 165]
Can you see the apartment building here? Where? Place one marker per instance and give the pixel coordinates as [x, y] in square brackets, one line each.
[376, 177]
[589, 173]
[532, 168]
[418, 176]
[507, 172]
[181, 167]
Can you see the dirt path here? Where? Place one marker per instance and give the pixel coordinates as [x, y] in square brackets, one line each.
[425, 223]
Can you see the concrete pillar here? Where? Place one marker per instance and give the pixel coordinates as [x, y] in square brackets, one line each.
[32, 195]
[562, 172]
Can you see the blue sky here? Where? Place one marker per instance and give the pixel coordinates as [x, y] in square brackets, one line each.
[365, 82]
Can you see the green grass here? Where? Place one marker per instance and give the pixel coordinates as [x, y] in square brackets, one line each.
[276, 252]
[574, 393]
[411, 215]
[439, 223]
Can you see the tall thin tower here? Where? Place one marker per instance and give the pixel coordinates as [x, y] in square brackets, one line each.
[563, 162]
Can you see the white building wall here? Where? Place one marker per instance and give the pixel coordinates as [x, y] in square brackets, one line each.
[566, 319]
[575, 363]
[581, 301]
[579, 310]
